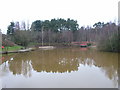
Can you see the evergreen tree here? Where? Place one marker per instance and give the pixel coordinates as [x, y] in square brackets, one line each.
[11, 28]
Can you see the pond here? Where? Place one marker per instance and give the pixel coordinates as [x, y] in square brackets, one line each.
[60, 68]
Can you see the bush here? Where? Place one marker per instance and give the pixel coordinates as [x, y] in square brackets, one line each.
[109, 44]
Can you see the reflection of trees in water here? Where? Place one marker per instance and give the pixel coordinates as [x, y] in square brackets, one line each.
[111, 73]
[119, 70]
[64, 60]
[4, 67]
[109, 65]
[17, 66]
[5, 58]
[42, 61]
[22, 67]
[86, 61]
[26, 68]
[55, 61]
[106, 61]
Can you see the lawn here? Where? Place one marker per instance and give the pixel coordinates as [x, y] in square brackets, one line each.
[13, 48]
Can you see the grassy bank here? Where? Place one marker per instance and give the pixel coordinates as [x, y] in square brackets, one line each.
[13, 48]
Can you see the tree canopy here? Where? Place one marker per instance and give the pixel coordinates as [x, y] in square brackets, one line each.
[11, 28]
[55, 25]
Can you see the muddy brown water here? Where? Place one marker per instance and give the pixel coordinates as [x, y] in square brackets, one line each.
[60, 68]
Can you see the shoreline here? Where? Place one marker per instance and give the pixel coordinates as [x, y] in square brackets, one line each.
[18, 51]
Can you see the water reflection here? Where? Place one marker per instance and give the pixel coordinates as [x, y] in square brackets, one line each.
[60, 61]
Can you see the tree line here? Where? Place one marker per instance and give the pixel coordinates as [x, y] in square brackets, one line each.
[65, 31]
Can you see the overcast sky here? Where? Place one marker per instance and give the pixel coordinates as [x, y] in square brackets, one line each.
[86, 12]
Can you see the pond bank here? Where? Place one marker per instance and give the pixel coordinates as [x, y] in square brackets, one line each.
[41, 48]
[18, 51]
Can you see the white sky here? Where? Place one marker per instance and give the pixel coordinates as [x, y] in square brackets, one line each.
[86, 12]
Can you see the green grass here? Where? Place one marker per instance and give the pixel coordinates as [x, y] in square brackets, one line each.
[13, 48]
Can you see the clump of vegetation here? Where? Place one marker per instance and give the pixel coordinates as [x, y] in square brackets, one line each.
[89, 44]
[108, 39]
[6, 41]
[111, 45]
